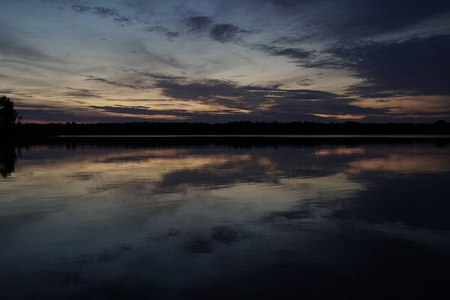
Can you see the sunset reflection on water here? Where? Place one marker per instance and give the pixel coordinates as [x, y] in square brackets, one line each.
[192, 221]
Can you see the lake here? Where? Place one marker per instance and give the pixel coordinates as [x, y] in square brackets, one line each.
[315, 220]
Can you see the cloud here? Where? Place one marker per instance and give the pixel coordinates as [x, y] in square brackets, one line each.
[81, 8]
[123, 20]
[81, 93]
[198, 90]
[197, 23]
[141, 110]
[298, 54]
[345, 19]
[377, 16]
[104, 12]
[292, 53]
[321, 35]
[261, 102]
[329, 108]
[6, 91]
[417, 66]
[44, 113]
[117, 17]
[118, 84]
[224, 32]
[33, 113]
[144, 113]
[231, 101]
[218, 32]
[169, 34]
[182, 88]
[11, 46]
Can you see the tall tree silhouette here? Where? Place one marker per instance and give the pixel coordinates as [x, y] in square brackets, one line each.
[8, 115]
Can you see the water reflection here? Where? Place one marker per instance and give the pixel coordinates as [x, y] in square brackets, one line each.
[8, 157]
[316, 221]
[406, 162]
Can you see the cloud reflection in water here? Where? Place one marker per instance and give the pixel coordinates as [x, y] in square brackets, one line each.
[188, 221]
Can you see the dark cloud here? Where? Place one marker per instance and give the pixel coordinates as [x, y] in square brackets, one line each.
[288, 3]
[418, 66]
[354, 19]
[305, 82]
[225, 115]
[117, 17]
[198, 90]
[141, 110]
[172, 34]
[164, 31]
[81, 8]
[154, 29]
[180, 88]
[64, 115]
[6, 91]
[48, 115]
[104, 12]
[292, 53]
[34, 106]
[118, 84]
[264, 103]
[123, 20]
[292, 109]
[297, 54]
[224, 32]
[376, 16]
[81, 93]
[197, 23]
[159, 76]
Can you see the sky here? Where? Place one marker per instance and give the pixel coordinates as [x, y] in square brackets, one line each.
[220, 61]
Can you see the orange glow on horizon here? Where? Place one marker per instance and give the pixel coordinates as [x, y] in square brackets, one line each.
[340, 117]
[339, 151]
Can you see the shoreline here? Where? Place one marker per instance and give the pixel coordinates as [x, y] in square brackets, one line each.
[442, 140]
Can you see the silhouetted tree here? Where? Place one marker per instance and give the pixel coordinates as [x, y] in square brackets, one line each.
[8, 115]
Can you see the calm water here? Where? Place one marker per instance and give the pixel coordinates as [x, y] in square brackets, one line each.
[368, 221]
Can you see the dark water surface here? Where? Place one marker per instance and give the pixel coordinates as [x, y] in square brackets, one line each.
[315, 221]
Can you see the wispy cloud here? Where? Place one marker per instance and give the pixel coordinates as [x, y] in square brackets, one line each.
[10, 46]
[104, 12]
[297, 54]
[164, 31]
[118, 84]
[81, 93]
[141, 110]
[224, 32]
[197, 23]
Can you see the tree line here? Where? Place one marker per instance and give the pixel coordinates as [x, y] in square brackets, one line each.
[9, 125]
[230, 128]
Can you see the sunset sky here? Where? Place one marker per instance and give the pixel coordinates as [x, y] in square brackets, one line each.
[220, 61]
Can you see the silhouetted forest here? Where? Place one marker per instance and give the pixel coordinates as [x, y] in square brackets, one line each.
[231, 128]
